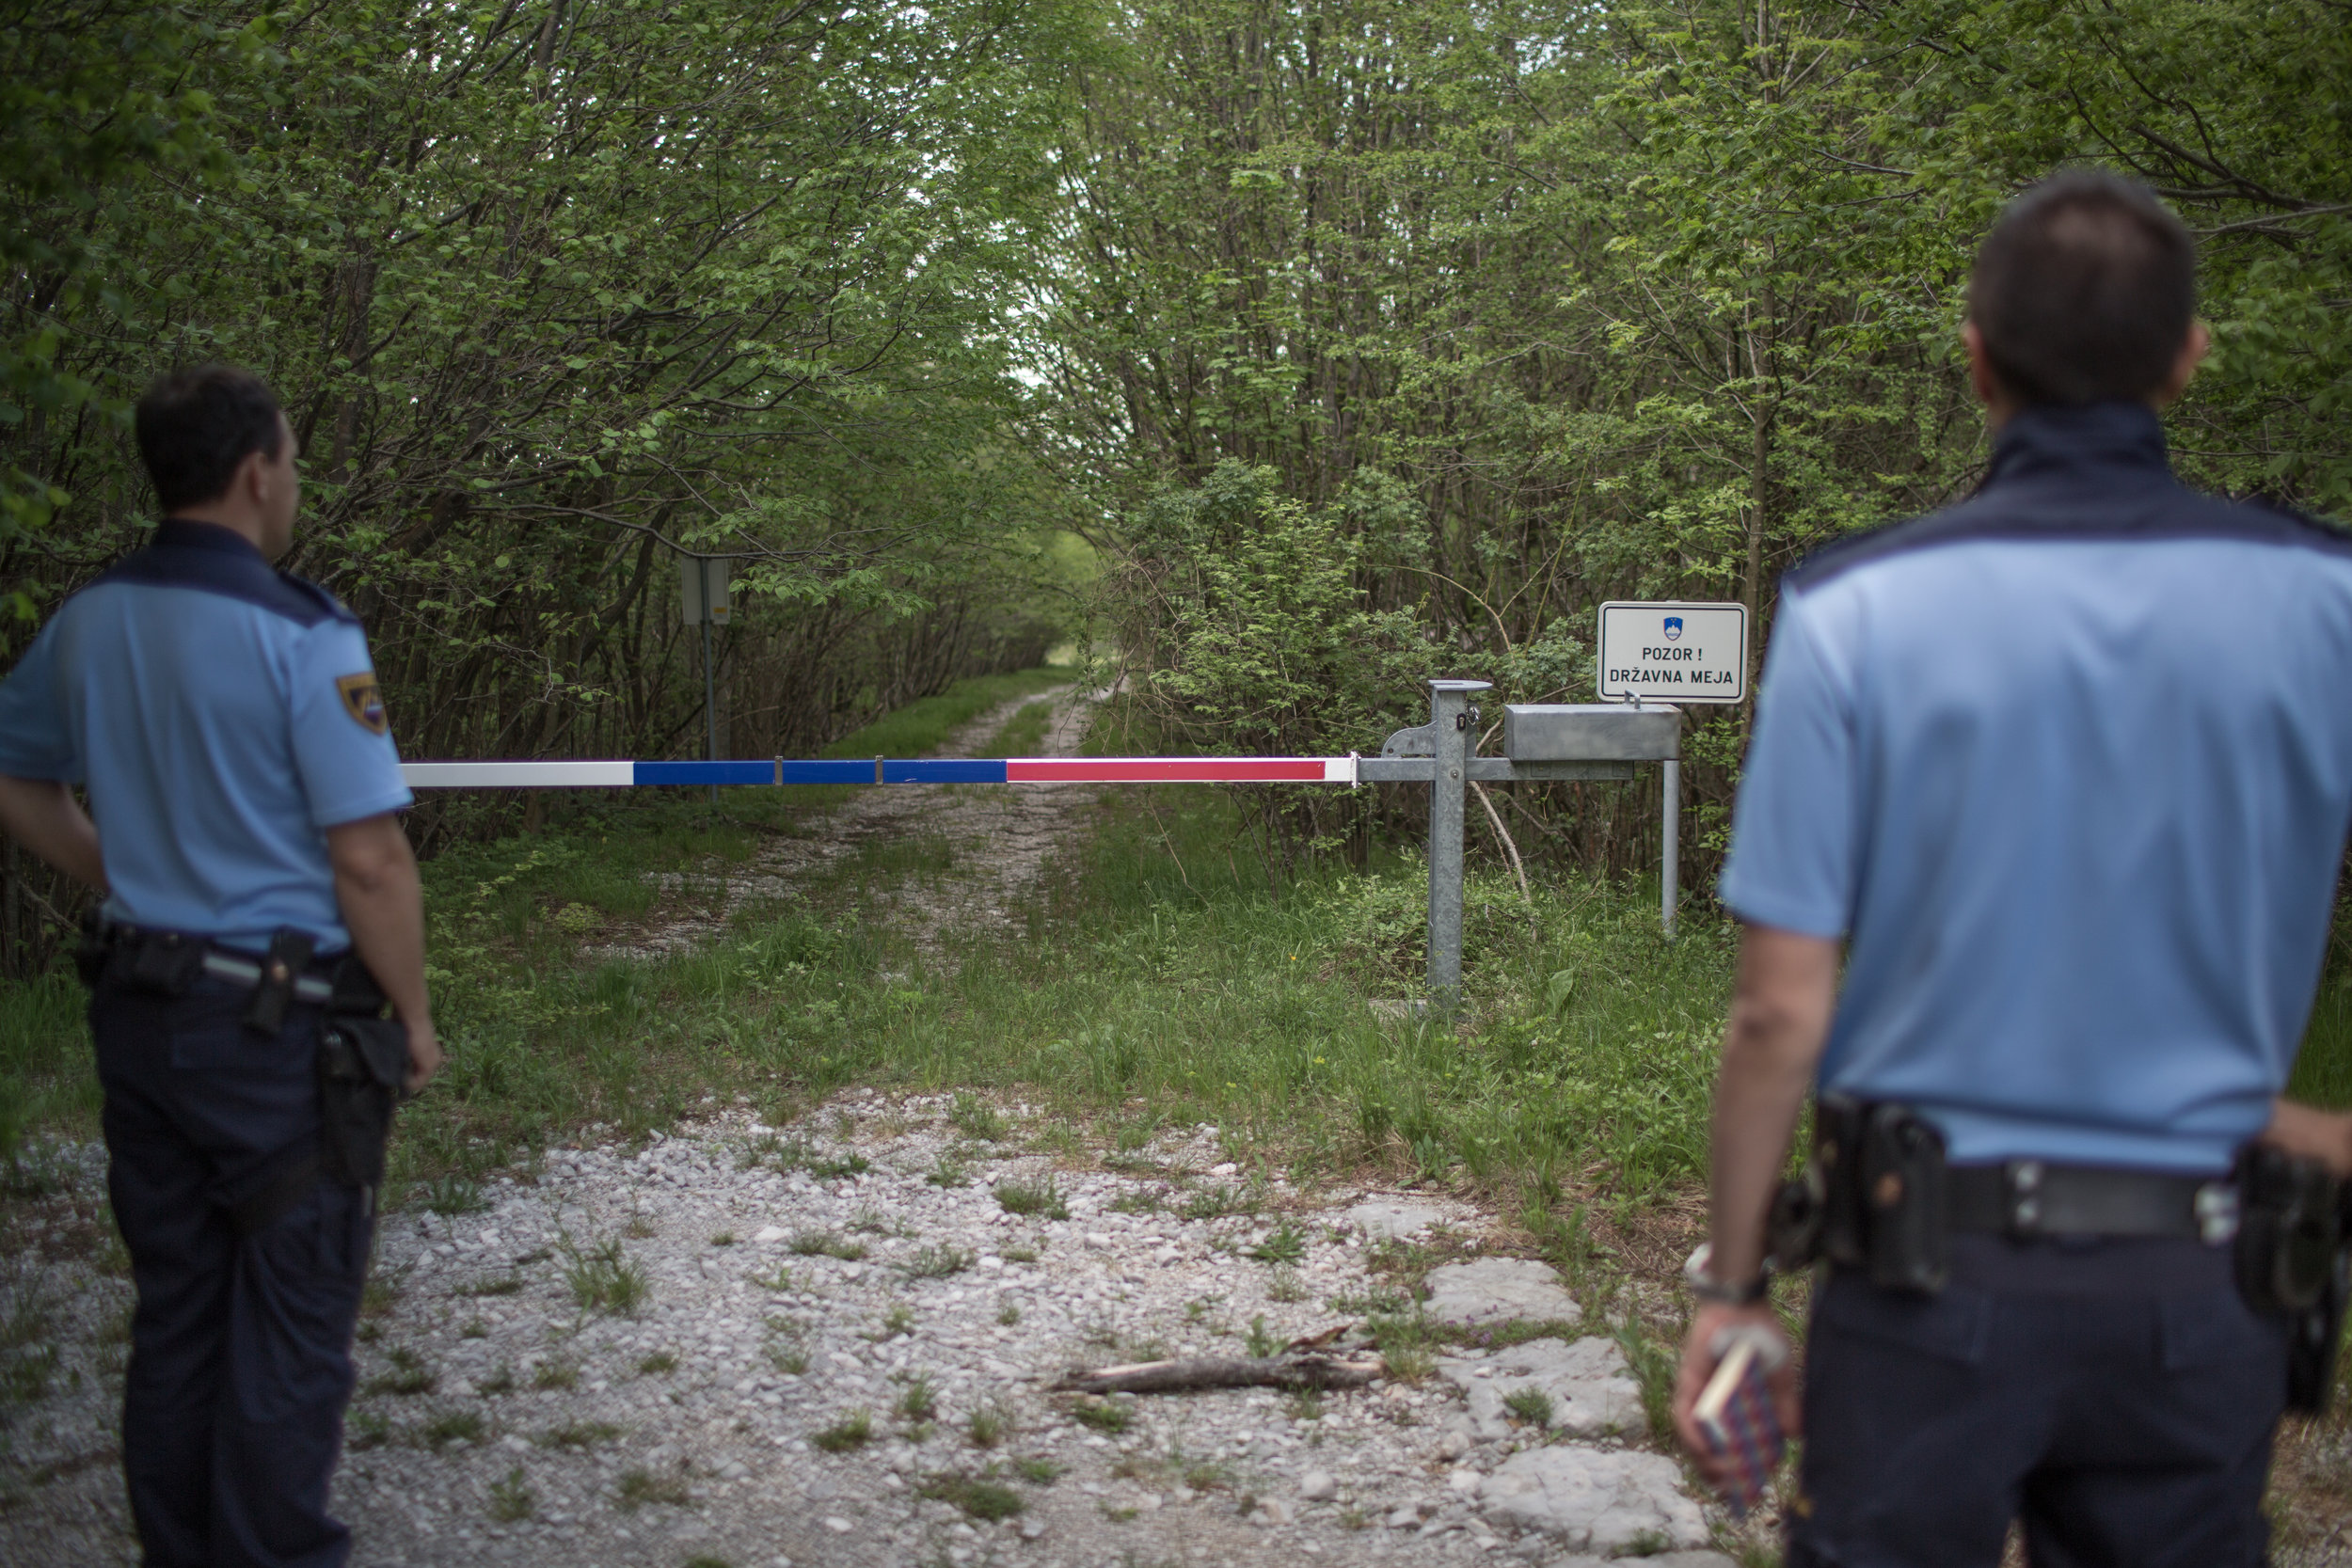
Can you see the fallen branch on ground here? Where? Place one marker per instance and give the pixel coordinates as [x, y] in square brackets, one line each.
[1226, 1371]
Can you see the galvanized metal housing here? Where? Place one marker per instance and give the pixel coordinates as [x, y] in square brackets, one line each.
[1591, 732]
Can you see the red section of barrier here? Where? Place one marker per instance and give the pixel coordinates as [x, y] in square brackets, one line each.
[1164, 770]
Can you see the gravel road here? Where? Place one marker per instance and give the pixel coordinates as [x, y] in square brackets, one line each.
[833, 1344]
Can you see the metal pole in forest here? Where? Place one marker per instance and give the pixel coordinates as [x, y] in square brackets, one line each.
[710, 686]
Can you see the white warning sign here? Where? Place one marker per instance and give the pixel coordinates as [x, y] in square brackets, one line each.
[1674, 652]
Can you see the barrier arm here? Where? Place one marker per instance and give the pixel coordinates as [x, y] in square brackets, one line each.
[1576, 742]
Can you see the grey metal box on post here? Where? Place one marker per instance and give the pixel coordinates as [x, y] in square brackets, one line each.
[1590, 731]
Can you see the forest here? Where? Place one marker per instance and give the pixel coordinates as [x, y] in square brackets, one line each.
[1281, 355]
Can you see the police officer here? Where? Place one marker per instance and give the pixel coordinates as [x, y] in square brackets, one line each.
[223, 720]
[2062, 776]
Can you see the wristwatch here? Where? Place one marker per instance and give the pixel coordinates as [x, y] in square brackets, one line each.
[1704, 1284]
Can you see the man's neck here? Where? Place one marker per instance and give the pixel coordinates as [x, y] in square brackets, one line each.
[237, 520]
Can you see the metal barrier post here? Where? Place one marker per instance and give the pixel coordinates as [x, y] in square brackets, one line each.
[1449, 725]
[1670, 871]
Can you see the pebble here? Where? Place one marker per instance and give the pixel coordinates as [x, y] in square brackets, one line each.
[1500, 1290]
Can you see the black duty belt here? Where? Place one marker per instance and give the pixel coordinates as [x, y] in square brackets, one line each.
[2035, 1198]
[168, 962]
[224, 965]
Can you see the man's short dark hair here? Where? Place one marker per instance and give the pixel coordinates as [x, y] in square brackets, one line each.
[195, 427]
[2083, 291]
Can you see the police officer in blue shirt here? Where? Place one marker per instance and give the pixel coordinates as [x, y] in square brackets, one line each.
[223, 720]
[2062, 775]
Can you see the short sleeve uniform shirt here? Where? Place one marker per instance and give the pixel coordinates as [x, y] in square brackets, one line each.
[2069, 768]
[222, 716]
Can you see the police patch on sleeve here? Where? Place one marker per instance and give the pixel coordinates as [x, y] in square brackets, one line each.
[363, 702]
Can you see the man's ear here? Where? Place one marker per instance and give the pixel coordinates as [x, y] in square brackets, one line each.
[252, 481]
[2193, 348]
[1984, 379]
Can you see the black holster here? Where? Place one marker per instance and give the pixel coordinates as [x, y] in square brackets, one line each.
[363, 1062]
[2294, 1260]
[1875, 1198]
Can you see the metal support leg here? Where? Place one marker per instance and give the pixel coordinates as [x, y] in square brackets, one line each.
[1670, 871]
[1447, 720]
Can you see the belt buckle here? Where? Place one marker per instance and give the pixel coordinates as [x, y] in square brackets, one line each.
[2021, 1196]
[2216, 1208]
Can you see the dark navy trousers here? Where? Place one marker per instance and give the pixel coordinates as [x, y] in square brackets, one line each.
[241, 1348]
[2115, 1398]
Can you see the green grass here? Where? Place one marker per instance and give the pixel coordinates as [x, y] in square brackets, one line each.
[1170, 971]
[452, 1426]
[2322, 1075]
[1529, 1404]
[47, 1081]
[638, 1487]
[1023, 734]
[408, 1376]
[852, 1431]
[604, 1281]
[1037, 1199]
[920, 1401]
[936, 1262]
[1284, 1244]
[922, 726]
[512, 1500]
[1101, 1415]
[580, 1434]
[982, 1499]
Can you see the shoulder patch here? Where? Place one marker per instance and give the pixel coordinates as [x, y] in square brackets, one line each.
[363, 702]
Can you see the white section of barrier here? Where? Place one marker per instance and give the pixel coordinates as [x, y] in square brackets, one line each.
[493, 775]
[1340, 770]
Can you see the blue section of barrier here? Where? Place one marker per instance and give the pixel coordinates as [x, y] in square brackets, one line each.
[715, 772]
[826, 772]
[949, 771]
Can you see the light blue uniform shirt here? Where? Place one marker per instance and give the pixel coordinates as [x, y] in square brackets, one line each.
[222, 716]
[2069, 768]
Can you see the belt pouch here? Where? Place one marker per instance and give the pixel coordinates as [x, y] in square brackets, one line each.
[362, 1063]
[1906, 1189]
[1838, 1157]
[162, 963]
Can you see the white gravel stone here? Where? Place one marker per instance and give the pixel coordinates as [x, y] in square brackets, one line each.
[1605, 1500]
[1316, 1487]
[1591, 1388]
[1500, 1290]
[1383, 1218]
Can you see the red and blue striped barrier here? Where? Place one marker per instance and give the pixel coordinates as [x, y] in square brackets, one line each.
[882, 771]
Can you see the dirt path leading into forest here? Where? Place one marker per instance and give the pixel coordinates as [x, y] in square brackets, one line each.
[975, 852]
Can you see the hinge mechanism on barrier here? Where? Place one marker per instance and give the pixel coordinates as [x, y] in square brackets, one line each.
[1418, 741]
